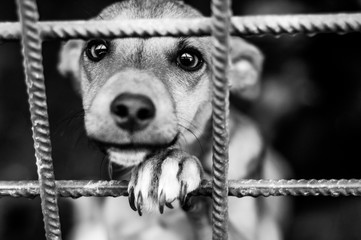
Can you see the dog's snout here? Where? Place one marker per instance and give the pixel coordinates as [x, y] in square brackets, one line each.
[132, 112]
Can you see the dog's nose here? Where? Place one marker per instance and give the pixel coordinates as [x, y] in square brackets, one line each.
[132, 112]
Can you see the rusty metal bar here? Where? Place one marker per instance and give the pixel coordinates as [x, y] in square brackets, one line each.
[221, 22]
[241, 26]
[32, 52]
[73, 189]
[239, 188]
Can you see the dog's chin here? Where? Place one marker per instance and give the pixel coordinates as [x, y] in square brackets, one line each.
[129, 155]
[127, 158]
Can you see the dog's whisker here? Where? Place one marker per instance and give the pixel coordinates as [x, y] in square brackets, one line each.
[190, 123]
[110, 171]
[121, 170]
[194, 135]
[80, 136]
[105, 162]
[184, 139]
[74, 122]
[68, 120]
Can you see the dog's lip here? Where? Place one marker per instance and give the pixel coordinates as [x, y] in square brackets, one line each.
[135, 145]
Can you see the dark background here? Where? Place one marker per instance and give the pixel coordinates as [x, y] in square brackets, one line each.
[310, 111]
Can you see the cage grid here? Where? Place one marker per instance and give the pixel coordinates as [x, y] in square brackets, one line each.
[220, 26]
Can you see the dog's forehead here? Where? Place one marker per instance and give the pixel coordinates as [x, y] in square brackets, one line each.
[136, 9]
[157, 53]
[161, 45]
[150, 48]
[154, 52]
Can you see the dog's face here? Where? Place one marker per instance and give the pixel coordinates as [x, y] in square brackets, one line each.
[142, 94]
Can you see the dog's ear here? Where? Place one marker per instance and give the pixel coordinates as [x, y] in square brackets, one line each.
[69, 58]
[245, 69]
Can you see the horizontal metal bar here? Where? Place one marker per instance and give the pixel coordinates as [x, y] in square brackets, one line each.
[239, 188]
[74, 189]
[242, 26]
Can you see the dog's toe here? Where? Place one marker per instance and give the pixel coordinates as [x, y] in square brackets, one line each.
[180, 174]
[141, 187]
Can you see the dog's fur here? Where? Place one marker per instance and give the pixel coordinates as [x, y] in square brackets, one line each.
[171, 152]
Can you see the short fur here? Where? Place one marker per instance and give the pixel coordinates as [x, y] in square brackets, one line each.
[171, 155]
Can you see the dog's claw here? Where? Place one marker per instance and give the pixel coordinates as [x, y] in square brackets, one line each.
[183, 193]
[140, 204]
[162, 202]
[110, 171]
[132, 199]
[169, 205]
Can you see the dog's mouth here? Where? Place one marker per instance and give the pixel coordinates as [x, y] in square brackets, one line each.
[131, 154]
[135, 146]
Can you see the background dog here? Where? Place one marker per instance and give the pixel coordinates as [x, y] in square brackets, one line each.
[147, 104]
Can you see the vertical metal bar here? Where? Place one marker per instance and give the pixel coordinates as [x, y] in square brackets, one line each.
[220, 63]
[32, 52]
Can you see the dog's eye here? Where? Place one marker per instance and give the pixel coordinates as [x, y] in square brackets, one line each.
[96, 50]
[189, 61]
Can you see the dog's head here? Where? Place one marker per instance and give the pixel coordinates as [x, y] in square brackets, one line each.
[142, 94]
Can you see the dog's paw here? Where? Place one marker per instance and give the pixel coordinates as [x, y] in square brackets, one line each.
[162, 179]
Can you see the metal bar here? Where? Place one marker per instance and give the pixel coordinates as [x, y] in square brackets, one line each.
[32, 52]
[72, 189]
[241, 26]
[221, 22]
[239, 188]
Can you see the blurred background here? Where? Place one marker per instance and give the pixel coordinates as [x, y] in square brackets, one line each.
[310, 110]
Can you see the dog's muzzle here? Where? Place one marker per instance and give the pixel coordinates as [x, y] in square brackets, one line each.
[132, 111]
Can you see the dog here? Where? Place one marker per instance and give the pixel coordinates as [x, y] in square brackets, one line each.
[147, 104]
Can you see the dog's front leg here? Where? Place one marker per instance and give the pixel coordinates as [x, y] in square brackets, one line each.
[163, 178]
